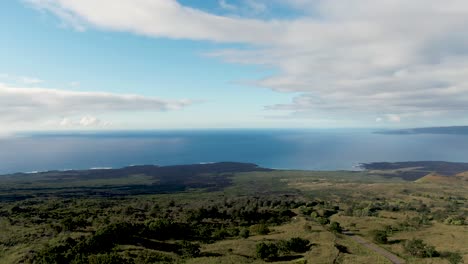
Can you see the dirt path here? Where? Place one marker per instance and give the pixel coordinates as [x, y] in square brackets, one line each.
[390, 256]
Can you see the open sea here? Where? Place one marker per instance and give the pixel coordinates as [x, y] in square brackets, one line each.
[319, 149]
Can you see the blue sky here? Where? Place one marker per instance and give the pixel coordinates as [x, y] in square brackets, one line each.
[149, 64]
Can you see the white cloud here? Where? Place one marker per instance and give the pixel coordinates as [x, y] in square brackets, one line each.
[66, 122]
[27, 80]
[30, 80]
[74, 84]
[351, 58]
[225, 5]
[26, 105]
[158, 18]
[87, 121]
[393, 118]
[256, 6]
[91, 121]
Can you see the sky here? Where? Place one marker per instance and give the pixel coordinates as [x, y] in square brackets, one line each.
[190, 64]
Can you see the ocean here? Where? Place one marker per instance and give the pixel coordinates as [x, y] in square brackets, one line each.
[313, 149]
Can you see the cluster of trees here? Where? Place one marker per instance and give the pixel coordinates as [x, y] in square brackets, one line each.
[173, 227]
[107, 237]
[272, 250]
[417, 247]
[321, 212]
[450, 215]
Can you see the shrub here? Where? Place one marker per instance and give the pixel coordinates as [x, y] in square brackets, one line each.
[297, 244]
[56, 253]
[152, 257]
[454, 257]
[220, 233]
[322, 220]
[261, 229]
[306, 210]
[189, 250]
[455, 220]
[71, 224]
[105, 238]
[327, 213]
[335, 227]
[163, 229]
[380, 236]
[314, 215]
[111, 258]
[267, 251]
[417, 248]
[244, 233]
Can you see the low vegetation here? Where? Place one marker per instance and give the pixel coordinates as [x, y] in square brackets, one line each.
[242, 217]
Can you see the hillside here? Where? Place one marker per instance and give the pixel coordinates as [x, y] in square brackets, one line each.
[228, 213]
[145, 179]
[436, 178]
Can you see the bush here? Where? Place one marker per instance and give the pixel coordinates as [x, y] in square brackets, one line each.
[72, 224]
[220, 233]
[306, 210]
[322, 220]
[267, 251]
[455, 220]
[111, 258]
[380, 236]
[417, 248]
[297, 244]
[452, 257]
[56, 253]
[261, 229]
[164, 229]
[152, 257]
[244, 233]
[336, 227]
[105, 238]
[189, 250]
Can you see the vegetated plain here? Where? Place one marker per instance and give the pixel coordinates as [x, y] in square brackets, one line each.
[235, 213]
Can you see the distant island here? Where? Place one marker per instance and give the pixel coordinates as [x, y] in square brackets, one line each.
[414, 170]
[451, 130]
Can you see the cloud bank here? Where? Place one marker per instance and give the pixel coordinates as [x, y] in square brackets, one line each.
[398, 59]
[41, 104]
